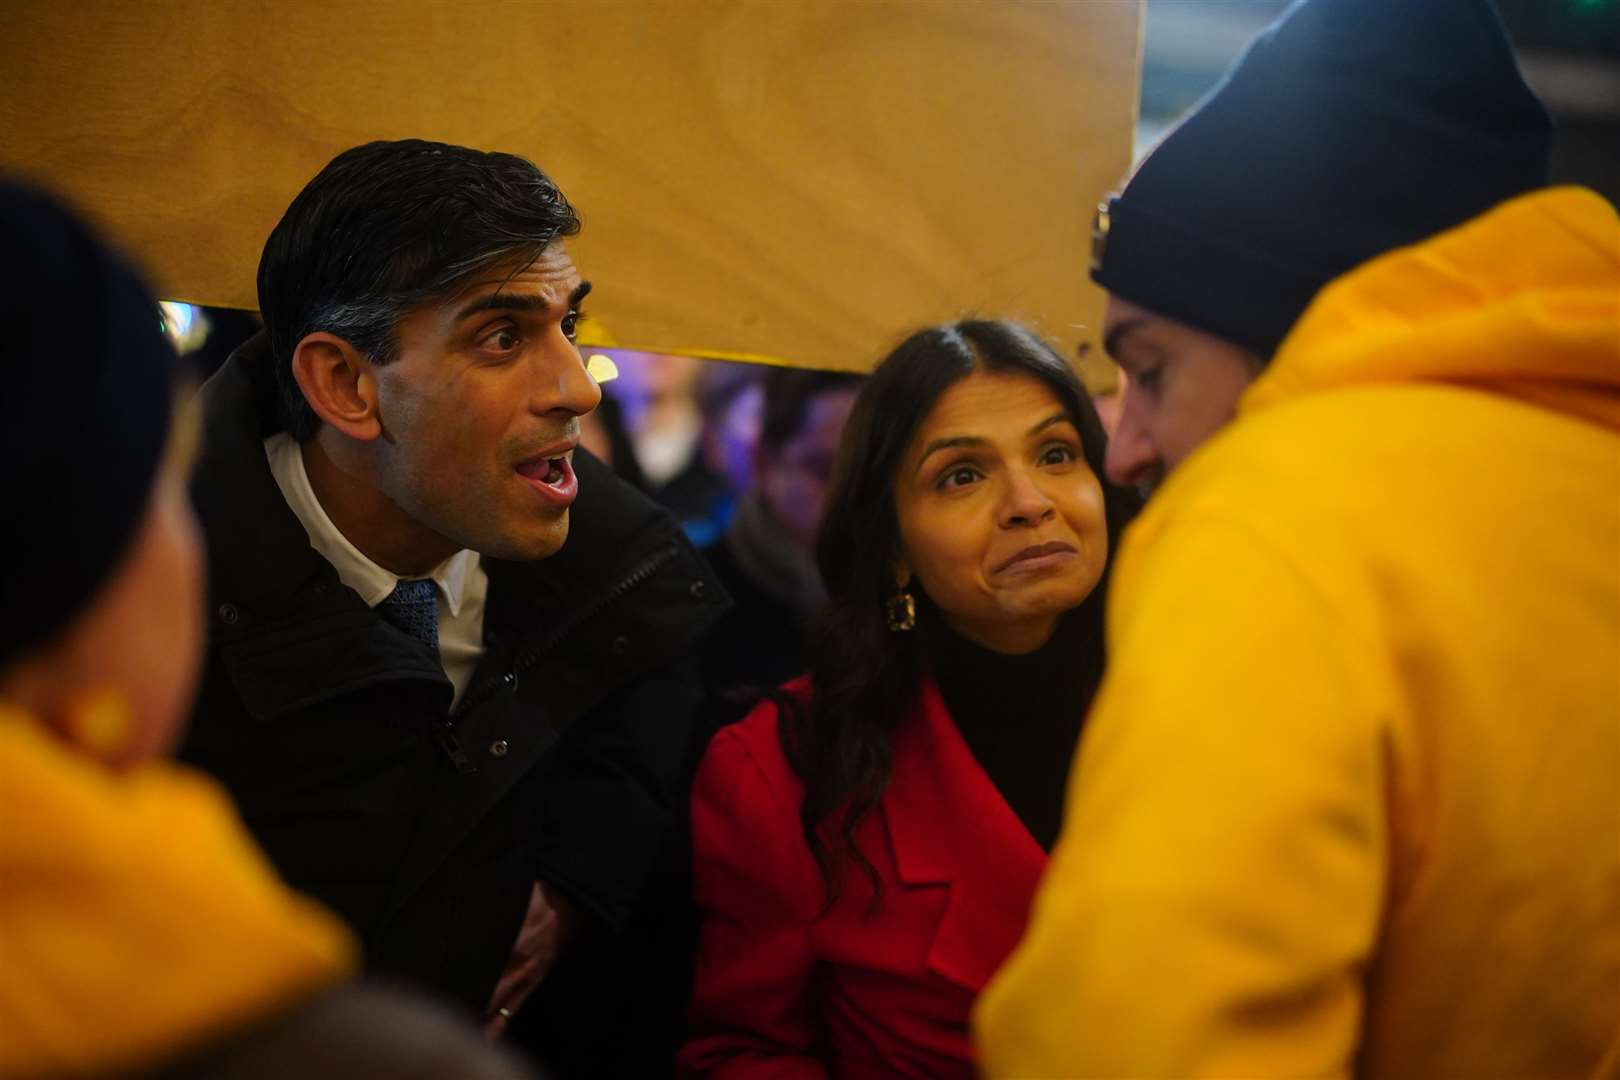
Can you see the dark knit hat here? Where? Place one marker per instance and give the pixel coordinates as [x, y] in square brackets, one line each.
[88, 382]
[1348, 128]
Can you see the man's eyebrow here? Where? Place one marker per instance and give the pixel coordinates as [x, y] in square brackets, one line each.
[1116, 337]
[946, 444]
[499, 301]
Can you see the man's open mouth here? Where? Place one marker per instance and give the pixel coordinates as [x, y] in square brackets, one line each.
[546, 470]
[552, 475]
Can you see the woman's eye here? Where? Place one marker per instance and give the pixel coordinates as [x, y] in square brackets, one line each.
[1147, 379]
[960, 476]
[1057, 454]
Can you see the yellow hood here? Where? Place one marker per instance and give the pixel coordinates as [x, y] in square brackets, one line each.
[1346, 802]
[1504, 303]
[137, 918]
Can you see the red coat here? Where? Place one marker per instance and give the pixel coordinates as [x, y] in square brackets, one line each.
[786, 991]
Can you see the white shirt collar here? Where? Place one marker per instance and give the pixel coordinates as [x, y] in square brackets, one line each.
[354, 569]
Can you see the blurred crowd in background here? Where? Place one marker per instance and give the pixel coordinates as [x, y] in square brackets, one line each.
[753, 763]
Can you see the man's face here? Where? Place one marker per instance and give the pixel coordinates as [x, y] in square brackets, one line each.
[480, 410]
[1182, 386]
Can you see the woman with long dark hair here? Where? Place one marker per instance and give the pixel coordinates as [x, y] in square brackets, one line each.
[867, 843]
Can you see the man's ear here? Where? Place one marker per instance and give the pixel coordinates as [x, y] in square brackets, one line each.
[339, 384]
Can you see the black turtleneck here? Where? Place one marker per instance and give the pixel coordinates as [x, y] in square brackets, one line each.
[1020, 715]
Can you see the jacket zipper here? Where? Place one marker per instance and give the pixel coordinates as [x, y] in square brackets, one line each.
[447, 727]
[646, 569]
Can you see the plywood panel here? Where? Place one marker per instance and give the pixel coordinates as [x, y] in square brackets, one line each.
[798, 179]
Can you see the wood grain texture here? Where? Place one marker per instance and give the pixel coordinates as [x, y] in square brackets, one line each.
[790, 178]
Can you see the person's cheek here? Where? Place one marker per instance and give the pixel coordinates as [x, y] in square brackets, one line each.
[962, 555]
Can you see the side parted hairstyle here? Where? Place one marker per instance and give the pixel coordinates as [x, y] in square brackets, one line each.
[385, 228]
[864, 678]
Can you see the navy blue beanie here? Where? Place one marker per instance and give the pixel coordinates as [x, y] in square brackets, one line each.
[1347, 129]
[89, 380]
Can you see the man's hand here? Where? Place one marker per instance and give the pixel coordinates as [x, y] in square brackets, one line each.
[549, 921]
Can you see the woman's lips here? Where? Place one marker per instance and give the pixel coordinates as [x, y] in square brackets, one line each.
[1038, 557]
[553, 477]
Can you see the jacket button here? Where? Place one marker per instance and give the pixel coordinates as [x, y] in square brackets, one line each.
[498, 748]
[621, 645]
[696, 589]
[228, 614]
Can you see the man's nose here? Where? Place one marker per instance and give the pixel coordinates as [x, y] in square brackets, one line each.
[1132, 457]
[564, 385]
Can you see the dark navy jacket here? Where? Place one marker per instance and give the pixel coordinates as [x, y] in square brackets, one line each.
[567, 761]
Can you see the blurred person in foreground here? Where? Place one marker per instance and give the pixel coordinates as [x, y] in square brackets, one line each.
[136, 916]
[1347, 801]
[766, 558]
[140, 928]
[448, 678]
[867, 842]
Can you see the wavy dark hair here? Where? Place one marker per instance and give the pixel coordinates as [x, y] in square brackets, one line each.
[385, 228]
[865, 679]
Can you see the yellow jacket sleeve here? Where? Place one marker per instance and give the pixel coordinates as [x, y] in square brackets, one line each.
[1219, 881]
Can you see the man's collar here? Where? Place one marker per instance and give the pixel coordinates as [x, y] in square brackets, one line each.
[373, 583]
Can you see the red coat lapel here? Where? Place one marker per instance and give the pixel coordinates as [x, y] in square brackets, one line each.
[949, 825]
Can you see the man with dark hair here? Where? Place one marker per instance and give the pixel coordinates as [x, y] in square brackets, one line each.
[1346, 802]
[1284, 178]
[766, 558]
[448, 677]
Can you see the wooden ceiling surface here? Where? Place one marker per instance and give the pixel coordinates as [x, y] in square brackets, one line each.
[799, 180]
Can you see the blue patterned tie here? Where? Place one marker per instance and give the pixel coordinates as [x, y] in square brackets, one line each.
[414, 608]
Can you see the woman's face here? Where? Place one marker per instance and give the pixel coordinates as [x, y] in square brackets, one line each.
[1001, 520]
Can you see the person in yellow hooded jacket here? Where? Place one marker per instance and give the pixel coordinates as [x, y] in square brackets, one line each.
[1349, 800]
[141, 930]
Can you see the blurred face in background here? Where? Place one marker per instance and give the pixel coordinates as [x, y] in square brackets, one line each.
[646, 376]
[1001, 520]
[1181, 386]
[731, 437]
[794, 477]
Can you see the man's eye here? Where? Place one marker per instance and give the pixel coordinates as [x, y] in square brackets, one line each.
[1147, 379]
[570, 325]
[503, 340]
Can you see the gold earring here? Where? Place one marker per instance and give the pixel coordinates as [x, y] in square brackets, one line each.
[100, 722]
[901, 611]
